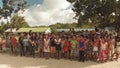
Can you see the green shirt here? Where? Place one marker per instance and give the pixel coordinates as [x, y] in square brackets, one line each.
[74, 44]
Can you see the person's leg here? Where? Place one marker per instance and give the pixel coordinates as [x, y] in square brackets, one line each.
[51, 52]
[11, 49]
[79, 55]
[32, 49]
[58, 54]
[67, 55]
[71, 55]
[54, 50]
[64, 54]
[82, 56]
[23, 50]
[16, 51]
[20, 50]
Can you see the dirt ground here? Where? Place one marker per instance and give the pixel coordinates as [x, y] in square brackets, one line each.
[9, 61]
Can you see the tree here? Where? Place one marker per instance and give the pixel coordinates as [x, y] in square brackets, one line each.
[11, 7]
[18, 22]
[96, 11]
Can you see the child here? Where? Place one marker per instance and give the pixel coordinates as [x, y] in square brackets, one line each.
[95, 49]
[52, 46]
[14, 45]
[33, 44]
[26, 44]
[40, 45]
[89, 49]
[117, 51]
[47, 47]
[81, 48]
[73, 47]
[58, 46]
[66, 47]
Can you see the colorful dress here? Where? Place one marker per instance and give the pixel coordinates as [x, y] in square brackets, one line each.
[46, 45]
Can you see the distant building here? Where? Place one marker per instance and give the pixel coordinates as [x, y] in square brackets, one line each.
[75, 29]
[11, 30]
[39, 30]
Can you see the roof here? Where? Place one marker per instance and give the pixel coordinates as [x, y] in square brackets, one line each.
[9, 30]
[76, 29]
[41, 29]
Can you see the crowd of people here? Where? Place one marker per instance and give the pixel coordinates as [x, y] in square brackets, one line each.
[96, 45]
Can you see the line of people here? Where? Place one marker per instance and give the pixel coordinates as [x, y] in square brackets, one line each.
[98, 46]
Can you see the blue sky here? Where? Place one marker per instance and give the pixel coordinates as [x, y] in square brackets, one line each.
[47, 12]
[30, 2]
[0, 3]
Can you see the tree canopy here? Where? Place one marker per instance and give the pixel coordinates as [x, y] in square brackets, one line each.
[10, 7]
[100, 12]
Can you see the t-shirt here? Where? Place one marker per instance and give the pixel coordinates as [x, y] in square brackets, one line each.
[26, 42]
[66, 45]
[81, 43]
[74, 44]
[52, 42]
[21, 40]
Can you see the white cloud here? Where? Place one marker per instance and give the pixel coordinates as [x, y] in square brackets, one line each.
[50, 12]
[5, 20]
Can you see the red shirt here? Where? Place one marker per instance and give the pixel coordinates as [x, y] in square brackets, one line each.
[66, 45]
[13, 41]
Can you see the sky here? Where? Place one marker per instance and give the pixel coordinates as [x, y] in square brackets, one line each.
[48, 12]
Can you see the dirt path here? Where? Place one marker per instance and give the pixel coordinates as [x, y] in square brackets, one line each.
[8, 61]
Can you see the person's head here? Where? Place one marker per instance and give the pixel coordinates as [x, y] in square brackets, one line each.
[82, 36]
[13, 35]
[21, 34]
[46, 36]
[30, 32]
[66, 38]
[33, 34]
[57, 37]
[74, 37]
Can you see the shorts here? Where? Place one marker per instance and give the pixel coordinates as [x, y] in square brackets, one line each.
[74, 52]
[58, 48]
[53, 49]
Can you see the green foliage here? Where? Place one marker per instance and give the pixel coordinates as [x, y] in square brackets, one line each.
[3, 28]
[18, 22]
[71, 25]
[61, 25]
[10, 7]
[98, 11]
